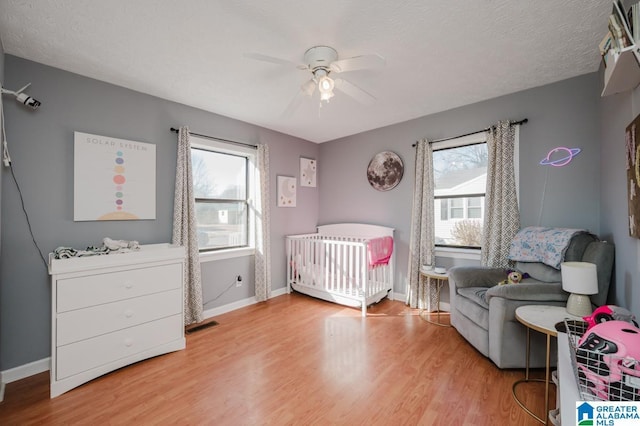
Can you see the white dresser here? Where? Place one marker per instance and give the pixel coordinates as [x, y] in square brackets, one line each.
[113, 310]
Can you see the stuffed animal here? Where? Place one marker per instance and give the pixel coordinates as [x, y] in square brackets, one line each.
[514, 277]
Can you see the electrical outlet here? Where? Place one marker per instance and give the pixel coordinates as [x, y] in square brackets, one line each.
[239, 281]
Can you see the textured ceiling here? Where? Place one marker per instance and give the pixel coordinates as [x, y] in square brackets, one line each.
[439, 54]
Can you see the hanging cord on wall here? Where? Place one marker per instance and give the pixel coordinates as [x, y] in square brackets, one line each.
[219, 295]
[544, 191]
[7, 162]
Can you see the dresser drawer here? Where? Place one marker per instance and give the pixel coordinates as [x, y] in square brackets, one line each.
[81, 292]
[87, 354]
[80, 324]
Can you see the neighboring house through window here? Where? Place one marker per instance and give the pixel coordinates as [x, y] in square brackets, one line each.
[460, 174]
[221, 179]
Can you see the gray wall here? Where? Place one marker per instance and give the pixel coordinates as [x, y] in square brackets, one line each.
[616, 113]
[560, 114]
[41, 145]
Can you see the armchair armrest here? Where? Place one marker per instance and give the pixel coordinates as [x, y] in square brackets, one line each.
[475, 276]
[534, 291]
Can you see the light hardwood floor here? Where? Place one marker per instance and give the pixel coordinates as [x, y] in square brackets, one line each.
[300, 361]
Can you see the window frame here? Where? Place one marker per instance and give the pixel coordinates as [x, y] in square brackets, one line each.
[480, 137]
[250, 155]
[474, 139]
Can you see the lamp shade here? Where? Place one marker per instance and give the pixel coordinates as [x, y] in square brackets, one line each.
[579, 277]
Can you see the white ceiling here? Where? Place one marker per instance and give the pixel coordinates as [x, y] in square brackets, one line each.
[440, 54]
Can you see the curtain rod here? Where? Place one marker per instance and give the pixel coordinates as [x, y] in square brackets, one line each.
[523, 121]
[174, 130]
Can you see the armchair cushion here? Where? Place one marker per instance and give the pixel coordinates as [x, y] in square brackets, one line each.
[601, 253]
[539, 271]
[529, 290]
[473, 276]
[473, 303]
[578, 246]
[477, 295]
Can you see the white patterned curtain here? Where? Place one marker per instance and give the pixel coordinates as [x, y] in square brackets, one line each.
[262, 225]
[502, 216]
[420, 292]
[185, 231]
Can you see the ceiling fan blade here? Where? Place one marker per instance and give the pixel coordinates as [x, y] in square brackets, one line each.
[358, 63]
[273, 60]
[293, 105]
[306, 89]
[354, 91]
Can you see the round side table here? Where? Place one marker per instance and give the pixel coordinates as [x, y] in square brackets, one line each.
[439, 279]
[541, 318]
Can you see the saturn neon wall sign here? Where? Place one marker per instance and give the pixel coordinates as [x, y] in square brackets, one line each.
[560, 156]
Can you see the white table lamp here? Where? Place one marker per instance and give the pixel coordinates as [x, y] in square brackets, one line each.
[580, 279]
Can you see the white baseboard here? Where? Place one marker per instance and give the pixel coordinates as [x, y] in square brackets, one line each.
[24, 371]
[239, 304]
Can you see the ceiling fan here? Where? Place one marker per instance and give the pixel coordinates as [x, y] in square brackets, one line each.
[323, 63]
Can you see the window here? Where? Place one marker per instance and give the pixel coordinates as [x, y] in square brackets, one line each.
[221, 182]
[474, 207]
[460, 173]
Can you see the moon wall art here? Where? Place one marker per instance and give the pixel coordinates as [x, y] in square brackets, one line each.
[385, 171]
[286, 191]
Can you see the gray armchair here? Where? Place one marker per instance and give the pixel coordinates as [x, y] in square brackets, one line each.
[484, 312]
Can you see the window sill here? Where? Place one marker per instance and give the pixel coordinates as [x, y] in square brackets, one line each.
[212, 256]
[458, 253]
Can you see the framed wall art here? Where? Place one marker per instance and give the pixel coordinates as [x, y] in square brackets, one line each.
[633, 176]
[113, 179]
[385, 171]
[308, 171]
[286, 191]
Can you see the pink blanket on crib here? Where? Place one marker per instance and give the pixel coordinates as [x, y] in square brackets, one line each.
[380, 250]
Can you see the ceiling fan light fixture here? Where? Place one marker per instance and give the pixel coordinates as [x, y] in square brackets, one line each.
[325, 86]
[322, 61]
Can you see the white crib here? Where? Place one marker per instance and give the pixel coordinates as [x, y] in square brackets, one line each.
[333, 265]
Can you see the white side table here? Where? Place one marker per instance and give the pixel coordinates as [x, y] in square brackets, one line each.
[439, 279]
[541, 318]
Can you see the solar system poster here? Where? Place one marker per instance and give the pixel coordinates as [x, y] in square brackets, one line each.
[114, 179]
[633, 176]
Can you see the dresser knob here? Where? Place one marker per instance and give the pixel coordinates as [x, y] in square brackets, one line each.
[128, 342]
[128, 313]
[128, 285]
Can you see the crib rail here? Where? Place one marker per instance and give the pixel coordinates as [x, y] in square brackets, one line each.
[337, 266]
